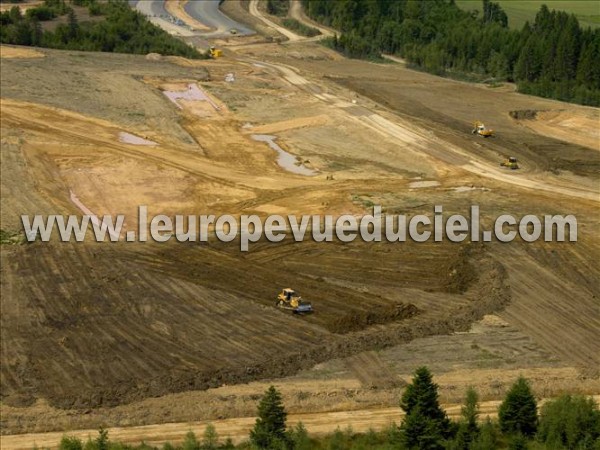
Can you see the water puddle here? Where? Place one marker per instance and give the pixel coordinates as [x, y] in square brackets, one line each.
[193, 93]
[128, 138]
[469, 188]
[285, 159]
[423, 184]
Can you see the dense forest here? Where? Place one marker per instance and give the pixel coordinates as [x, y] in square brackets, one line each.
[553, 57]
[121, 29]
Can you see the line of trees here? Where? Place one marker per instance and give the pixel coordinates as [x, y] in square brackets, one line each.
[553, 57]
[122, 30]
[569, 422]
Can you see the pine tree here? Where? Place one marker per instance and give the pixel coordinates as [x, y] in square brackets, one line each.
[210, 438]
[190, 442]
[423, 392]
[269, 429]
[420, 432]
[300, 437]
[470, 414]
[518, 411]
[73, 25]
[570, 422]
[70, 443]
[102, 439]
[425, 424]
[487, 438]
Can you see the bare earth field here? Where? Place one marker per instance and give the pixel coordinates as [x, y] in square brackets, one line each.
[126, 334]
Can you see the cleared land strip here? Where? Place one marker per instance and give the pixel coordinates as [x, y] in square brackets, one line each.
[421, 143]
[237, 429]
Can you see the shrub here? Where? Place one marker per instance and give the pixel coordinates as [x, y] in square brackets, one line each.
[570, 422]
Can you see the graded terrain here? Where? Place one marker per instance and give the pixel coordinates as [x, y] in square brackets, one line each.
[142, 333]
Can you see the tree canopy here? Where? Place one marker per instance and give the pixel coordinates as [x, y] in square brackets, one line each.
[270, 428]
[123, 29]
[553, 57]
[518, 412]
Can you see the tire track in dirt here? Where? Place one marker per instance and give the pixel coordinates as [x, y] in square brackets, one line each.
[421, 144]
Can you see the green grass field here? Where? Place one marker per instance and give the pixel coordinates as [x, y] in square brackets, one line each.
[519, 11]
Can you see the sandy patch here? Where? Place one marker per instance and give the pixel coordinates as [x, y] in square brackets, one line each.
[284, 125]
[19, 52]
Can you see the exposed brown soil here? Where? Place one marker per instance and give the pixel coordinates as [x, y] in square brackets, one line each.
[97, 326]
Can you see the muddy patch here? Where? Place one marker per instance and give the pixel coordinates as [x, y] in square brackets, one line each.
[285, 160]
[128, 138]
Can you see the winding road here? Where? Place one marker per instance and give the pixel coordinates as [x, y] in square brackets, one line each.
[206, 12]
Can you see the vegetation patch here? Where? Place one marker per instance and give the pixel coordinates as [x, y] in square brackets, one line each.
[11, 237]
[123, 30]
[278, 7]
[300, 28]
[569, 422]
[552, 57]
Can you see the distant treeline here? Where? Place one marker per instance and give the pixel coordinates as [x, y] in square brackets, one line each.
[120, 29]
[553, 57]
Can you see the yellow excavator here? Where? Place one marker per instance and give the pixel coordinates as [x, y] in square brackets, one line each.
[480, 129]
[290, 301]
[214, 52]
[510, 163]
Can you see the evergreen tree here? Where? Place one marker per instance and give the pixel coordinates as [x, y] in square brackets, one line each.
[570, 422]
[469, 416]
[270, 428]
[518, 411]
[70, 443]
[190, 442]
[300, 438]
[421, 432]
[425, 422]
[518, 442]
[422, 392]
[73, 25]
[487, 438]
[210, 438]
[102, 439]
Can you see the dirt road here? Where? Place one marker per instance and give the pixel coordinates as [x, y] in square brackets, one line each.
[238, 429]
[292, 37]
[296, 12]
[420, 140]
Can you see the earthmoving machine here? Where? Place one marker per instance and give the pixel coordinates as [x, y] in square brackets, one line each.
[214, 52]
[480, 129]
[290, 301]
[511, 163]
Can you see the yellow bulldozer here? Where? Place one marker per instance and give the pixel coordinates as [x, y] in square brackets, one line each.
[480, 129]
[214, 52]
[289, 300]
[510, 163]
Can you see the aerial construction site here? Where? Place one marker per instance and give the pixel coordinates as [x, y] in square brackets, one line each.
[152, 339]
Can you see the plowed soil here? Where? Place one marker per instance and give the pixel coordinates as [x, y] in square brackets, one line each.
[96, 327]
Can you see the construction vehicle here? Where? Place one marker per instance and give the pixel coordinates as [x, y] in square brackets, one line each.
[215, 53]
[290, 301]
[480, 129]
[510, 163]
